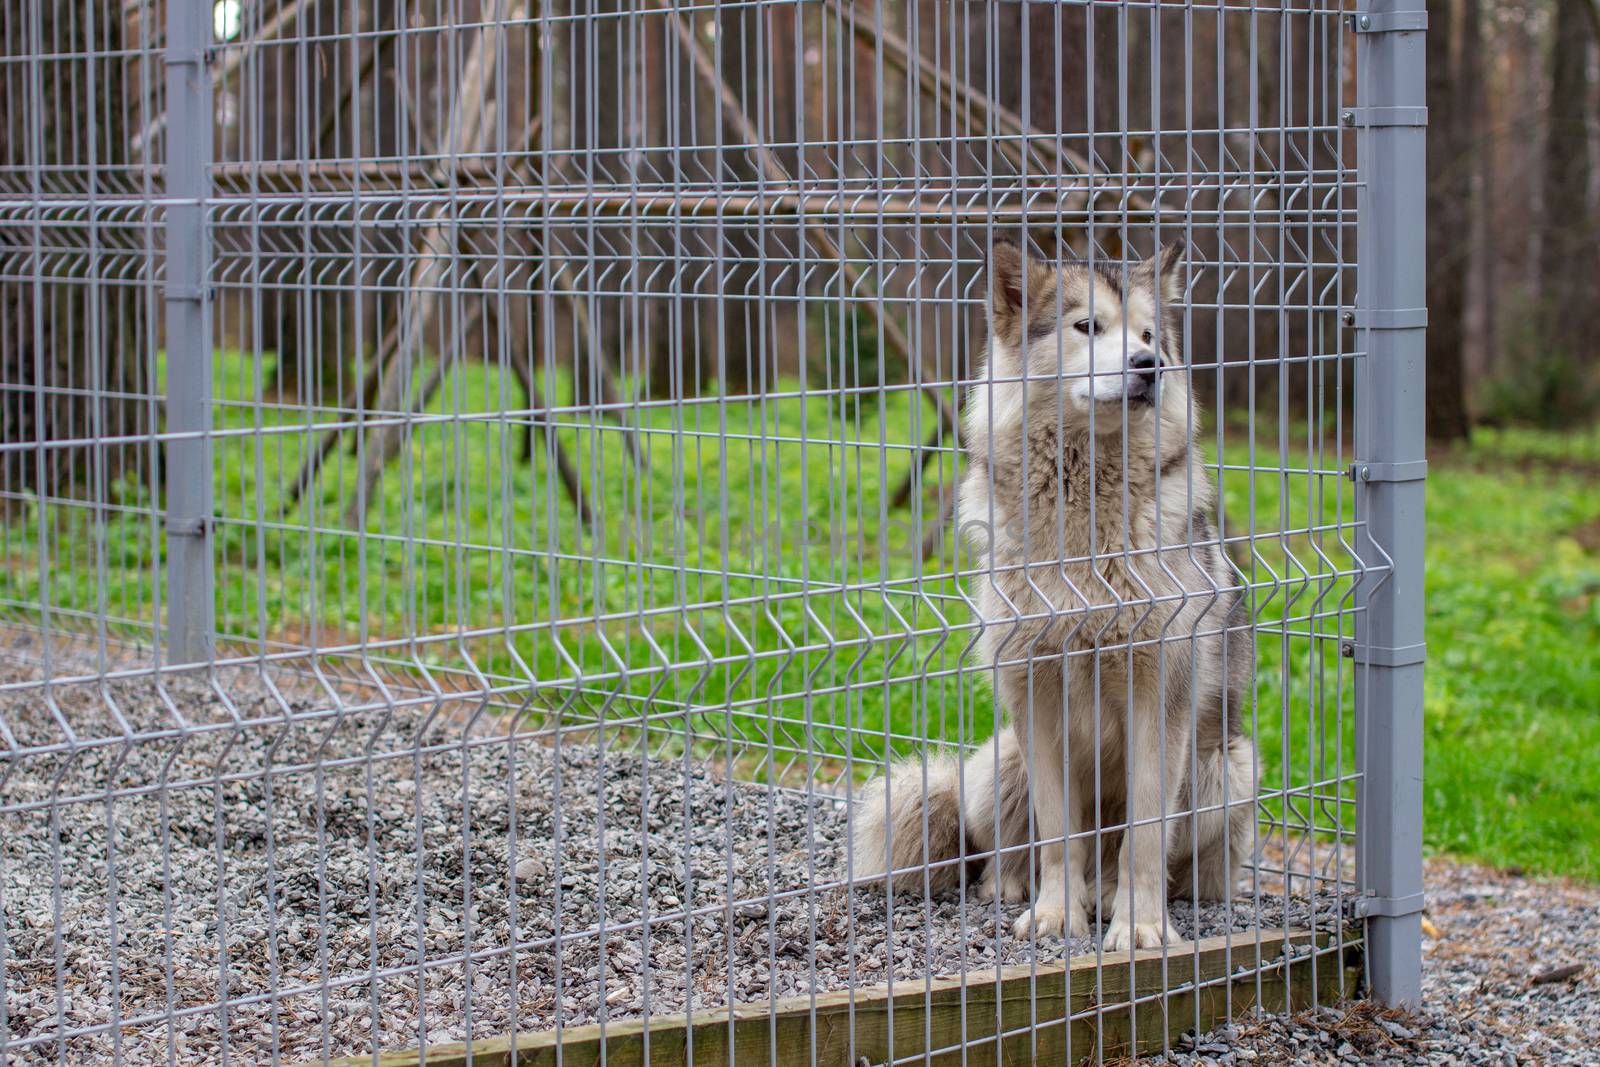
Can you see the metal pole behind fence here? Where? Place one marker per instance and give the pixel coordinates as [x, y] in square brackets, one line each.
[1390, 324]
[190, 600]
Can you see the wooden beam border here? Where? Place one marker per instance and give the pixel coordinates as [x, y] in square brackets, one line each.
[946, 1021]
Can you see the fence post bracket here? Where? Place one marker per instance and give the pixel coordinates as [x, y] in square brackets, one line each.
[1389, 22]
[1414, 471]
[1385, 656]
[1384, 116]
[1365, 907]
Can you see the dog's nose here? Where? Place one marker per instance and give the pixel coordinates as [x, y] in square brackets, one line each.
[1142, 368]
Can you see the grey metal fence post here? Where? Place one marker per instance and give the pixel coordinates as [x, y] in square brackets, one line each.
[190, 599]
[1390, 119]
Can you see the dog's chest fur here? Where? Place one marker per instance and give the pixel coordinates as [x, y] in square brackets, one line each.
[1073, 540]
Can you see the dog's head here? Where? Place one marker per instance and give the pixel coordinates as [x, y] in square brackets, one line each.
[1103, 338]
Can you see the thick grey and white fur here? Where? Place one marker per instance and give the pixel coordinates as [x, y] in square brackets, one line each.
[1113, 628]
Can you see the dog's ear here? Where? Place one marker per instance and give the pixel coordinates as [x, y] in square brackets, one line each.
[1166, 267]
[1008, 266]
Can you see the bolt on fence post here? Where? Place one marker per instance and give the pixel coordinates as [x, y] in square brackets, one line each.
[1390, 121]
[190, 570]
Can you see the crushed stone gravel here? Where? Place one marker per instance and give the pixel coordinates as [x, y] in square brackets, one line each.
[1511, 975]
[383, 879]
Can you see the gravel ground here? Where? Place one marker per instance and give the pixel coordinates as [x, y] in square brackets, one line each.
[1509, 977]
[383, 854]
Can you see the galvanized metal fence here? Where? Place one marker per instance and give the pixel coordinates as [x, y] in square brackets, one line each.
[490, 488]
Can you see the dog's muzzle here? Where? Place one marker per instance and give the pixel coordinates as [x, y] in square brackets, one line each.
[1142, 368]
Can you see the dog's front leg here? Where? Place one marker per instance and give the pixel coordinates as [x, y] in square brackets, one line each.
[1155, 776]
[1059, 905]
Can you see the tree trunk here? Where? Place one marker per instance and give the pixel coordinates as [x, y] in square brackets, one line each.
[1481, 323]
[308, 104]
[1449, 231]
[1569, 312]
[74, 356]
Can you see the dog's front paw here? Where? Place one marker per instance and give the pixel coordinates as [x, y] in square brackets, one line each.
[1123, 935]
[1043, 920]
[1049, 920]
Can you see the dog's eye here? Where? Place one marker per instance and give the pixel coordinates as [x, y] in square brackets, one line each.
[1147, 337]
[1087, 326]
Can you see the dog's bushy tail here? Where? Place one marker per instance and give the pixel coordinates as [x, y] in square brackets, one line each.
[910, 821]
[917, 804]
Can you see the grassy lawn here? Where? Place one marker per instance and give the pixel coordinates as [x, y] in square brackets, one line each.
[1513, 682]
[750, 579]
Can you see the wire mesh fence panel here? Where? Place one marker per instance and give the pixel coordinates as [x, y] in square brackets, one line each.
[771, 531]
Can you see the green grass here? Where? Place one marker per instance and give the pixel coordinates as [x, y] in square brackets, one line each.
[811, 625]
[1513, 681]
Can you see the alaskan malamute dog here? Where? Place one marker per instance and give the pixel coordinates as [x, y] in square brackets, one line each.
[1118, 642]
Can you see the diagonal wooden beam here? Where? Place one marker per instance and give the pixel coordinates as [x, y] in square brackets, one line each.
[889, 328]
[610, 397]
[956, 94]
[467, 133]
[566, 471]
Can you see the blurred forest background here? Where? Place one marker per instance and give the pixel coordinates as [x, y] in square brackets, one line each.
[750, 104]
[1513, 213]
